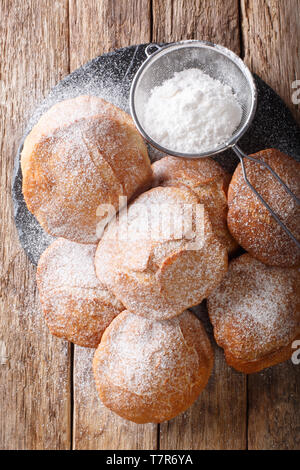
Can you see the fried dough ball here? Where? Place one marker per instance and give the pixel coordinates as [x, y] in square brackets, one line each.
[150, 371]
[250, 222]
[161, 256]
[83, 153]
[76, 306]
[255, 312]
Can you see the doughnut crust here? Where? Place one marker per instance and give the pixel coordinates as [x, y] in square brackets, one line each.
[255, 312]
[150, 371]
[154, 264]
[249, 221]
[207, 180]
[76, 306]
[83, 152]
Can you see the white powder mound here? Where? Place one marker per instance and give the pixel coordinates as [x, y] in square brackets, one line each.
[191, 112]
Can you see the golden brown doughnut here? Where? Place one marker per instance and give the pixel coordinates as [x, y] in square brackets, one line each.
[160, 275]
[150, 371]
[83, 152]
[208, 181]
[255, 312]
[76, 306]
[251, 224]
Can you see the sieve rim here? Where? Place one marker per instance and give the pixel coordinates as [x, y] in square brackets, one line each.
[206, 45]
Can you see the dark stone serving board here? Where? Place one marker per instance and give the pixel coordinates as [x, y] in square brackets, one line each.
[110, 77]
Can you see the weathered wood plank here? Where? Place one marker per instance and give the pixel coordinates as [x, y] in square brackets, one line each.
[97, 27]
[34, 367]
[174, 20]
[218, 418]
[212, 422]
[274, 403]
[271, 42]
[95, 427]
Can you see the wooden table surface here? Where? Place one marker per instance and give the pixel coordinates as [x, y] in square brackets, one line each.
[47, 395]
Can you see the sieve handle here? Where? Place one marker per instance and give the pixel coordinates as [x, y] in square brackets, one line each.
[151, 48]
[242, 155]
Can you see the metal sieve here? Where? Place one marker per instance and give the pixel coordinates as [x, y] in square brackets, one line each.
[221, 64]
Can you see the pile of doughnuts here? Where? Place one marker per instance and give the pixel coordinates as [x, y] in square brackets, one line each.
[120, 278]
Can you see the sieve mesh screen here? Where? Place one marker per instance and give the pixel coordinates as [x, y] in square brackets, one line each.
[216, 61]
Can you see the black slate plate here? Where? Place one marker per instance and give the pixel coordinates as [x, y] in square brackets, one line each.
[110, 76]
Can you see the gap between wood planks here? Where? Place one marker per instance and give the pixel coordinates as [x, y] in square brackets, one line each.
[151, 38]
[244, 44]
[42, 39]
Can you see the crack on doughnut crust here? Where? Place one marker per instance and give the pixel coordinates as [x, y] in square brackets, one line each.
[207, 180]
[91, 154]
[145, 275]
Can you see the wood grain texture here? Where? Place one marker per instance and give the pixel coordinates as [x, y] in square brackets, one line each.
[40, 42]
[217, 420]
[216, 21]
[274, 402]
[95, 427]
[211, 423]
[34, 367]
[97, 27]
[101, 26]
[271, 42]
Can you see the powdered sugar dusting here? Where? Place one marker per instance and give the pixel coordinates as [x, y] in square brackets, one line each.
[255, 309]
[142, 347]
[76, 306]
[160, 277]
[250, 222]
[207, 180]
[160, 366]
[108, 77]
[82, 153]
[68, 264]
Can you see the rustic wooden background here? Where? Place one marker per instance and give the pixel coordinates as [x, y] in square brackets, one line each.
[47, 396]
